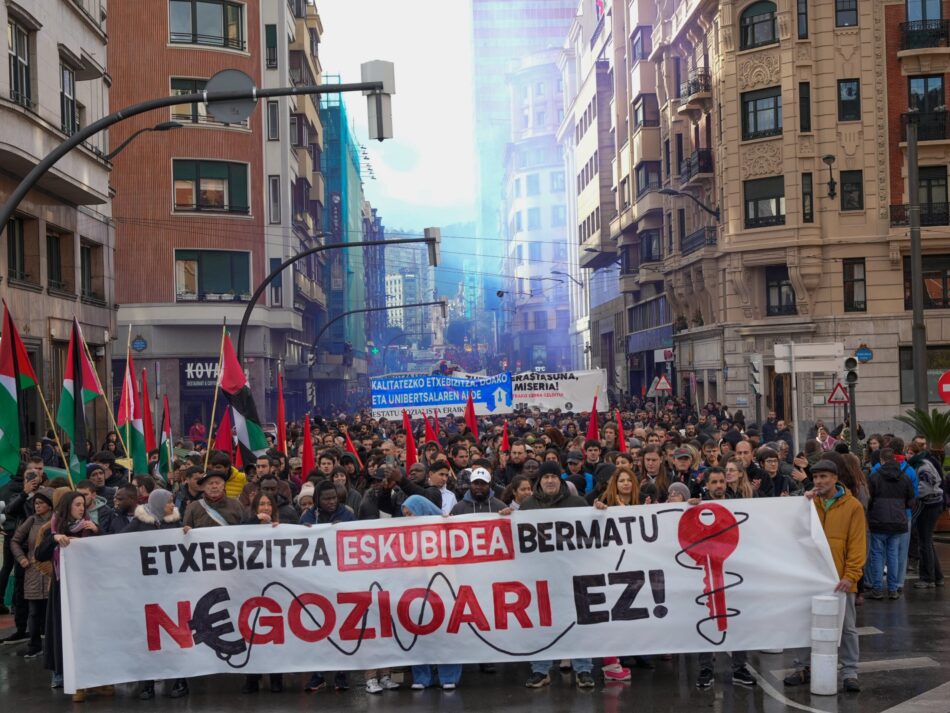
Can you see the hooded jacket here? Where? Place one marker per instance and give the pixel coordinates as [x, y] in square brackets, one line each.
[144, 521]
[891, 494]
[468, 505]
[562, 499]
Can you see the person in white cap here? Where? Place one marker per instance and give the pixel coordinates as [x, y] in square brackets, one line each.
[478, 497]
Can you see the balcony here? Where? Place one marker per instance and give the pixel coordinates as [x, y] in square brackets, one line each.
[300, 72]
[931, 125]
[309, 289]
[931, 214]
[698, 165]
[696, 95]
[764, 221]
[925, 47]
[698, 240]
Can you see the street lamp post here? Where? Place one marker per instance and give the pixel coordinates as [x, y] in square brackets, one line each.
[569, 277]
[161, 126]
[397, 338]
[714, 212]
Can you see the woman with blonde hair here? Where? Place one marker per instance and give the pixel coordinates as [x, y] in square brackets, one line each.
[622, 489]
[737, 480]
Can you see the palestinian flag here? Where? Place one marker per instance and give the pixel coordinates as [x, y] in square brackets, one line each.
[147, 423]
[251, 439]
[165, 456]
[80, 386]
[129, 419]
[16, 375]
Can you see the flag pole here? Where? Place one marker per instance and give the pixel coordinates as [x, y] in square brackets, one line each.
[105, 394]
[171, 449]
[62, 451]
[217, 388]
[131, 414]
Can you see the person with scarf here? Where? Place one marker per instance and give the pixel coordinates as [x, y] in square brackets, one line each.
[67, 524]
[36, 576]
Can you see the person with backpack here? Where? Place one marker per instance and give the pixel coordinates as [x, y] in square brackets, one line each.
[931, 506]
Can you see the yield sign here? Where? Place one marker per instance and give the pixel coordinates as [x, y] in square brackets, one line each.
[838, 395]
[663, 384]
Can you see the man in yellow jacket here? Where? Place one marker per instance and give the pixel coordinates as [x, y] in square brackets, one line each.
[843, 520]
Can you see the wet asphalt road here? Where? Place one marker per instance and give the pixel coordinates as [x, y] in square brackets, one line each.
[905, 668]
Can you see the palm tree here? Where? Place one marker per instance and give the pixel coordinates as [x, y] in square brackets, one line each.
[934, 426]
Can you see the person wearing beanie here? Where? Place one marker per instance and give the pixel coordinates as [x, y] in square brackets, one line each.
[304, 499]
[678, 493]
[36, 580]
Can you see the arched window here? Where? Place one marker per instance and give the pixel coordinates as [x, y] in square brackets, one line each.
[757, 24]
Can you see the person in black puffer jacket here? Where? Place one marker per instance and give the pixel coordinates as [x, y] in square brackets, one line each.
[891, 494]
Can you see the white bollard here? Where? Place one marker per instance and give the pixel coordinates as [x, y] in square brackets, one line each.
[825, 634]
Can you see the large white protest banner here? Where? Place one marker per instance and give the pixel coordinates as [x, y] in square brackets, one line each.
[565, 390]
[548, 584]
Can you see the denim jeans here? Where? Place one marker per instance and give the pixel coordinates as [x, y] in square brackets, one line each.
[884, 548]
[448, 673]
[579, 665]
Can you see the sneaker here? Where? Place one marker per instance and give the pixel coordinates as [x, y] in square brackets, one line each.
[537, 680]
[705, 680]
[340, 682]
[742, 677]
[179, 689]
[30, 653]
[565, 665]
[894, 595]
[448, 686]
[851, 685]
[923, 585]
[616, 672]
[418, 687]
[938, 583]
[585, 680]
[487, 668]
[877, 594]
[57, 681]
[798, 678]
[316, 683]
[17, 637]
[388, 684]
[372, 686]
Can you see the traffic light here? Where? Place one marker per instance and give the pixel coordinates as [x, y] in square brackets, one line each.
[850, 370]
[755, 372]
[347, 354]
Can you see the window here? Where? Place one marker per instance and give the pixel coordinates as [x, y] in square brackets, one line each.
[762, 113]
[757, 25]
[277, 284]
[55, 251]
[926, 93]
[779, 295]
[270, 46]
[540, 117]
[855, 285]
[90, 271]
[677, 77]
[938, 361]
[273, 121]
[804, 106]
[18, 44]
[681, 223]
[846, 13]
[213, 23]
[16, 250]
[562, 319]
[519, 254]
[679, 153]
[539, 89]
[646, 111]
[852, 190]
[534, 252]
[540, 320]
[669, 233]
[648, 176]
[808, 199]
[936, 278]
[518, 224]
[923, 10]
[532, 184]
[666, 157]
[932, 190]
[273, 196]
[534, 218]
[560, 252]
[558, 216]
[764, 202]
[212, 275]
[219, 186]
[802, 19]
[849, 100]
[68, 112]
[557, 181]
[641, 44]
[516, 188]
[195, 113]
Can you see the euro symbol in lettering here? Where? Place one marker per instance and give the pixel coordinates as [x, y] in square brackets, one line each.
[208, 628]
[709, 534]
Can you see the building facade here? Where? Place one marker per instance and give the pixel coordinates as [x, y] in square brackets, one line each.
[60, 244]
[535, 205]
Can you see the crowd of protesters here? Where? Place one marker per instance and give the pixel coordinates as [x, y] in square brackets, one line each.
[878, 503]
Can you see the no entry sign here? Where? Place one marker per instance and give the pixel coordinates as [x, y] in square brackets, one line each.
[943, 386]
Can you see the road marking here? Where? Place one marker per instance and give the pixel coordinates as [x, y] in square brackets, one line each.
[771, 691]
[875, 666]
[936, 700]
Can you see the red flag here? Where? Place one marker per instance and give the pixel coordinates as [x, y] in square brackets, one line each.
[505, 446]
[223, 439]
[412, 455]
[593, 427]
[307, 457]
[621, 438]
[281, 416]
[147, 422]
[350, 448]
[430, 433]
[435, 423]
[470, 419]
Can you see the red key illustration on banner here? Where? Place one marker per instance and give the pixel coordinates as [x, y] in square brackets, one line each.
[709, 533]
